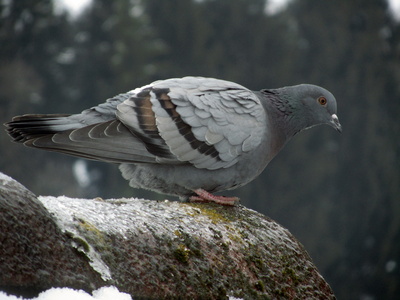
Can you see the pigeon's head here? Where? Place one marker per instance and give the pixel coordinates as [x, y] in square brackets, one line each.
[315, 105]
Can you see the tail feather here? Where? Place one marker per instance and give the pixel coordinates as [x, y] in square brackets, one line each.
[26, 127]
[109, 141]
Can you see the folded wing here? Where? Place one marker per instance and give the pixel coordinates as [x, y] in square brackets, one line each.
[205, 122]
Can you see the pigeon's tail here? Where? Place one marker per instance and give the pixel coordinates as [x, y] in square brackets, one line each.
[109, 141]
[28, 127]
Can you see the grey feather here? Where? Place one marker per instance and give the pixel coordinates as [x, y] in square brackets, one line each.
[179, 135]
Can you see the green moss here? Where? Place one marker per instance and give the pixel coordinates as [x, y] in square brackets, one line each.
[191, 243]
[216, 233]
[196, 252]
[87, 227]
[81, 244]
[234, 234]
[213, 214]
[289, 272]
[224, 246]
[94, 237]
[279, 293]
[260, 286]
[182, 253]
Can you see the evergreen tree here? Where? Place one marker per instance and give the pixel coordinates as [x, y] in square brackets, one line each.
[32, 38]
[222, 39]
[347, 187]
[337, 194]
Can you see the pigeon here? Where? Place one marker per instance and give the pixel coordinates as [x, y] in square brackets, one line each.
[189, 137]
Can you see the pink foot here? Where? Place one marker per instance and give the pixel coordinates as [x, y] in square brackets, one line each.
[204, 196]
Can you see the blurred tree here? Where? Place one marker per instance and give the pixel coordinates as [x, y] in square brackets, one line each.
[114, 48]
[222, 39]
[31, 38]
[341, 198]
[29, 53]
[337, 194]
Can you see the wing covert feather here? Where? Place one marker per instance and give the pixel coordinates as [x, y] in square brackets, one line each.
[203, 121]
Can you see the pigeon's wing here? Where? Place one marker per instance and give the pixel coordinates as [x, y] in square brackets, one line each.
[203, 121]
[206, 122]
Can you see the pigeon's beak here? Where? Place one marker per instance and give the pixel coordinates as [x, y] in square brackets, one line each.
[334, 122]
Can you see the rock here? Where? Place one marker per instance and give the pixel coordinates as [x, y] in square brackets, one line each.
[34, 253]
[149, 249]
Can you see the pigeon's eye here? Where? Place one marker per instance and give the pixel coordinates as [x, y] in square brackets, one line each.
[322, 100]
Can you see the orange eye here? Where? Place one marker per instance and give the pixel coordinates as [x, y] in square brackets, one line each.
[322, 100]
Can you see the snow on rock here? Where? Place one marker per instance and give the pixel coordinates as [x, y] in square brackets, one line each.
[5, 179]
[104, 293]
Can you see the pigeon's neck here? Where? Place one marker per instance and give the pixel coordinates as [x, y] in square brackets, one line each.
[286, 113]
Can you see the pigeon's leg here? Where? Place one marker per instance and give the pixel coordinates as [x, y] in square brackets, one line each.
[204, 196]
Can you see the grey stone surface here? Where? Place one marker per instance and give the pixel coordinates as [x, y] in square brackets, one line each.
[149, 249]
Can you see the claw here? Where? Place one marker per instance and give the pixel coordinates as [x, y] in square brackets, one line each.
[204, 197]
